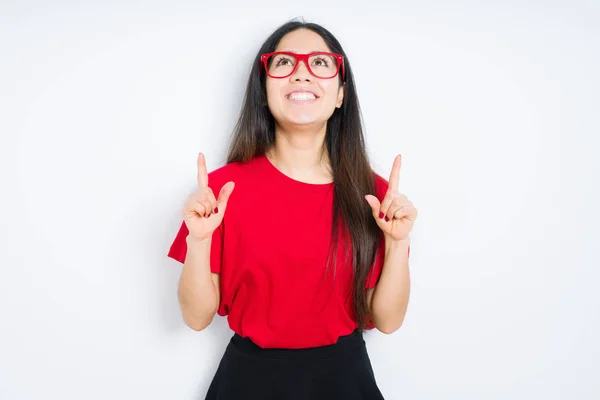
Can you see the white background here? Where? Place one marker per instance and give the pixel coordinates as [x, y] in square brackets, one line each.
[493, 105]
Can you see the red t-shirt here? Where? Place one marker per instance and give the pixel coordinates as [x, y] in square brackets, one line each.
[271, 250]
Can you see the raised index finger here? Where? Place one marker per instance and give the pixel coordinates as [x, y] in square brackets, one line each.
[202, 174]
[395, 175]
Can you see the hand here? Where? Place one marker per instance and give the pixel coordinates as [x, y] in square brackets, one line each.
[202, 212]
[396, 214]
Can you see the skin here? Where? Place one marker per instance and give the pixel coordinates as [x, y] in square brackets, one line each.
[300, 127]
[395, 216]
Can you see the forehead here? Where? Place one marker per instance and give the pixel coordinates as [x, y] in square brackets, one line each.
[302, 41]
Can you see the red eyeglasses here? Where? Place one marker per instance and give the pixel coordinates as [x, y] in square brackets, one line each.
[323, 65]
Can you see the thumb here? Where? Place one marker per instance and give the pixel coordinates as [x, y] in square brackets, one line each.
[374, 203]
[224, 195]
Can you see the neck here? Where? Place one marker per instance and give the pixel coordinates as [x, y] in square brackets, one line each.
[301, 154]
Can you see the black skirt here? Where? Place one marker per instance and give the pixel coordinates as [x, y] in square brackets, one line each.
[340, 371]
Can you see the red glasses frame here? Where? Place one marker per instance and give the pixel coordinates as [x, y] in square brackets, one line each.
[304, 57]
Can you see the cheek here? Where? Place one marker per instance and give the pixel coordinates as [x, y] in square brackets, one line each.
[269, 90]
[273, 92]
[330, 89]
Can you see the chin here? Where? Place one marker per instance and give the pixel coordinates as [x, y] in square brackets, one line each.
[300, 118]
[297, 118]
[304, 120]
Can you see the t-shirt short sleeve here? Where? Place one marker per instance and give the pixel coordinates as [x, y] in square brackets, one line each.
[178, 249]
[375, 272]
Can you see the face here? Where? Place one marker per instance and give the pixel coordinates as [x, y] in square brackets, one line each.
[328, 93]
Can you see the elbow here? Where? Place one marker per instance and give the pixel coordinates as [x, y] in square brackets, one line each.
[389, 321]
[198, 324]
[388, 329]
[197, 315]
[198, 320]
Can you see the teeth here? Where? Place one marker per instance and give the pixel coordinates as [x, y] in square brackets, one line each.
[302, 96]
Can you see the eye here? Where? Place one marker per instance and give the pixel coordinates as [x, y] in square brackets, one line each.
[320, 61]
[282, 61]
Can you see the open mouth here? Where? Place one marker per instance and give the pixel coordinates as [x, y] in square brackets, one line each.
[302, 96]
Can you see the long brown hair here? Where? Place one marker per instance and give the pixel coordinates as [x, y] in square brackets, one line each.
[353, 177]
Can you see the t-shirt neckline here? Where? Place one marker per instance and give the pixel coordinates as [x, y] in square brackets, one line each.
[291, 180]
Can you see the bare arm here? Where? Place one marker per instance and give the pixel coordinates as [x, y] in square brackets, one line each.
[395, 215]
[198, 292]
[389, 299]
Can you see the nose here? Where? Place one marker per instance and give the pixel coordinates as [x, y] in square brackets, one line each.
[301, 73]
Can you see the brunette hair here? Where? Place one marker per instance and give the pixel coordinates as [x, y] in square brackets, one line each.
[353, 177]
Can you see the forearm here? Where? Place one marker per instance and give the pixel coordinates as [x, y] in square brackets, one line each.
[390, 298]
[197, 293]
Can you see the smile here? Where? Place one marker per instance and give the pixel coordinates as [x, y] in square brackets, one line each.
[301, 96]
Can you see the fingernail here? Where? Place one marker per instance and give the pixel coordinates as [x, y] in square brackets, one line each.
[387, 219]
[216, 210]
[380, 214]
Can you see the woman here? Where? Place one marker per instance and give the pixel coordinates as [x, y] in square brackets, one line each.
[311, 247]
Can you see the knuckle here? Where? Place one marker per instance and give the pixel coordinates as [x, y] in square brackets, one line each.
[206, 197]
[196, 195]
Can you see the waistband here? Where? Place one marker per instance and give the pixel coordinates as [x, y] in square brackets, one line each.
[345, 345]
